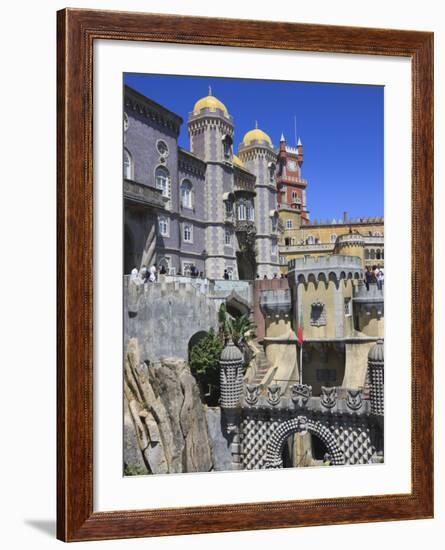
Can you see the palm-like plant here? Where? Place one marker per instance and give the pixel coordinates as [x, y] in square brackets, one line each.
[239, 329]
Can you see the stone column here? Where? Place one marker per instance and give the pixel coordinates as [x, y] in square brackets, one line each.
[231, 387]
[376, 363]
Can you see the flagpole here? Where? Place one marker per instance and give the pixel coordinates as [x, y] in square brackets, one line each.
[301, 363]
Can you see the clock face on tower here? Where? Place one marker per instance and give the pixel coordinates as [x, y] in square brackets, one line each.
[291, 165]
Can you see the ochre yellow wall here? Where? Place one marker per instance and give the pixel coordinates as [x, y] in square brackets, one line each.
[319, 292]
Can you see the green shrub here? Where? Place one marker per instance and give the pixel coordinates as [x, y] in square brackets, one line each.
[204, 364]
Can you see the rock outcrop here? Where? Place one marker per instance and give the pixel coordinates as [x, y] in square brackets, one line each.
[165, 426]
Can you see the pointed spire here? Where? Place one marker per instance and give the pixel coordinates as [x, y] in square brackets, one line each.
[282, 137]
[299, 142]
[256, 123]
[210, 90]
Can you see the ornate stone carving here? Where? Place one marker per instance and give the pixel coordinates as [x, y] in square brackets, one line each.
[318, 314]
[354, 399]
[252, 394]
[301, 425]
[328, 397]
[273, 394]
[300, 394]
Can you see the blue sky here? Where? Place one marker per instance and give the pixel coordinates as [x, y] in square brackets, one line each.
[340, 126]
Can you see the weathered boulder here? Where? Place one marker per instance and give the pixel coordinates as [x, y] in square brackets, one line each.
[222, 456]
[168, 418]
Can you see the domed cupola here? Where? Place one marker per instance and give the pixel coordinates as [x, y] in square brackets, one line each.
[256, 137]
[210, 102]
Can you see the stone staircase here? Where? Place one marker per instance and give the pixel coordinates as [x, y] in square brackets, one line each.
[263, 367]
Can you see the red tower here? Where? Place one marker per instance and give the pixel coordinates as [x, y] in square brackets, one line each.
[291, 186]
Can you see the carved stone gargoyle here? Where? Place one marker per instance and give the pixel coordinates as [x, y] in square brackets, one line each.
[273, 394]
[354, 399]
[328, 397]
[300, 394]
[251, 394]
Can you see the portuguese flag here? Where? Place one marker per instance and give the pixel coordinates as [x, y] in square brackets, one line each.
[300, 328]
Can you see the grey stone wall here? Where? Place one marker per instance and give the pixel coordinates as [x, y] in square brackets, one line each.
[164, 316]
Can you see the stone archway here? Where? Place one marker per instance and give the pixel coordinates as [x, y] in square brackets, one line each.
[300, 424]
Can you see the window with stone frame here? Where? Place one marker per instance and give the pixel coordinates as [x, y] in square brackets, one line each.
[310, 239]
[272, 169]
[250, 212]
[289, 224]
[186, 194]
[162, 180]
[227, 237]
[188, 268]
[227, 142]
[242, 211]
[333, 237]
[228, 204]
[348, 307]
[128, 165]
[164, 226]
[318, 314]
[274, 221]
[188, 232]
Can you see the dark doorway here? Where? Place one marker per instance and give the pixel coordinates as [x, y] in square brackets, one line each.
[301, 451]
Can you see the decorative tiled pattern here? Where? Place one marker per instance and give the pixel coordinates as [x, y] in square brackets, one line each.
[300, 424]
[377, 386]
[355, 444]
[255, 436]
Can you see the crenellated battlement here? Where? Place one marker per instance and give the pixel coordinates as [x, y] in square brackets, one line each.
[298, 399]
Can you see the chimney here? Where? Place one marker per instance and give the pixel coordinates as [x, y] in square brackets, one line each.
[345, 217]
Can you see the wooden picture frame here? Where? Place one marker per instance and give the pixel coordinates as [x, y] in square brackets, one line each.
[77, 31]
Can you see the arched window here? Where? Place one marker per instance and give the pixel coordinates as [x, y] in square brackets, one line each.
[250, 212]
[242, 211]
[272, 168]
[227, 146]
[366, 254]
[289, 224]
[377, 255]
[333, 238]
[186, 194]
[188, 232]
[128, 165]
[310, 239]
[372, 254]
[163, 181]
[164, 226]
[227, 237]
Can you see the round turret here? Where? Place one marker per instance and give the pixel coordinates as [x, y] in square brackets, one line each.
[377, 353]
[231, 375]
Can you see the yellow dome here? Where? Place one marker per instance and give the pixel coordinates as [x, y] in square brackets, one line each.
[210, 102]
[256, 135]
[236, 160]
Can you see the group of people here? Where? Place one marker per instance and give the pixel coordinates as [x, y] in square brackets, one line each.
[148, 274]
[376, 275]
